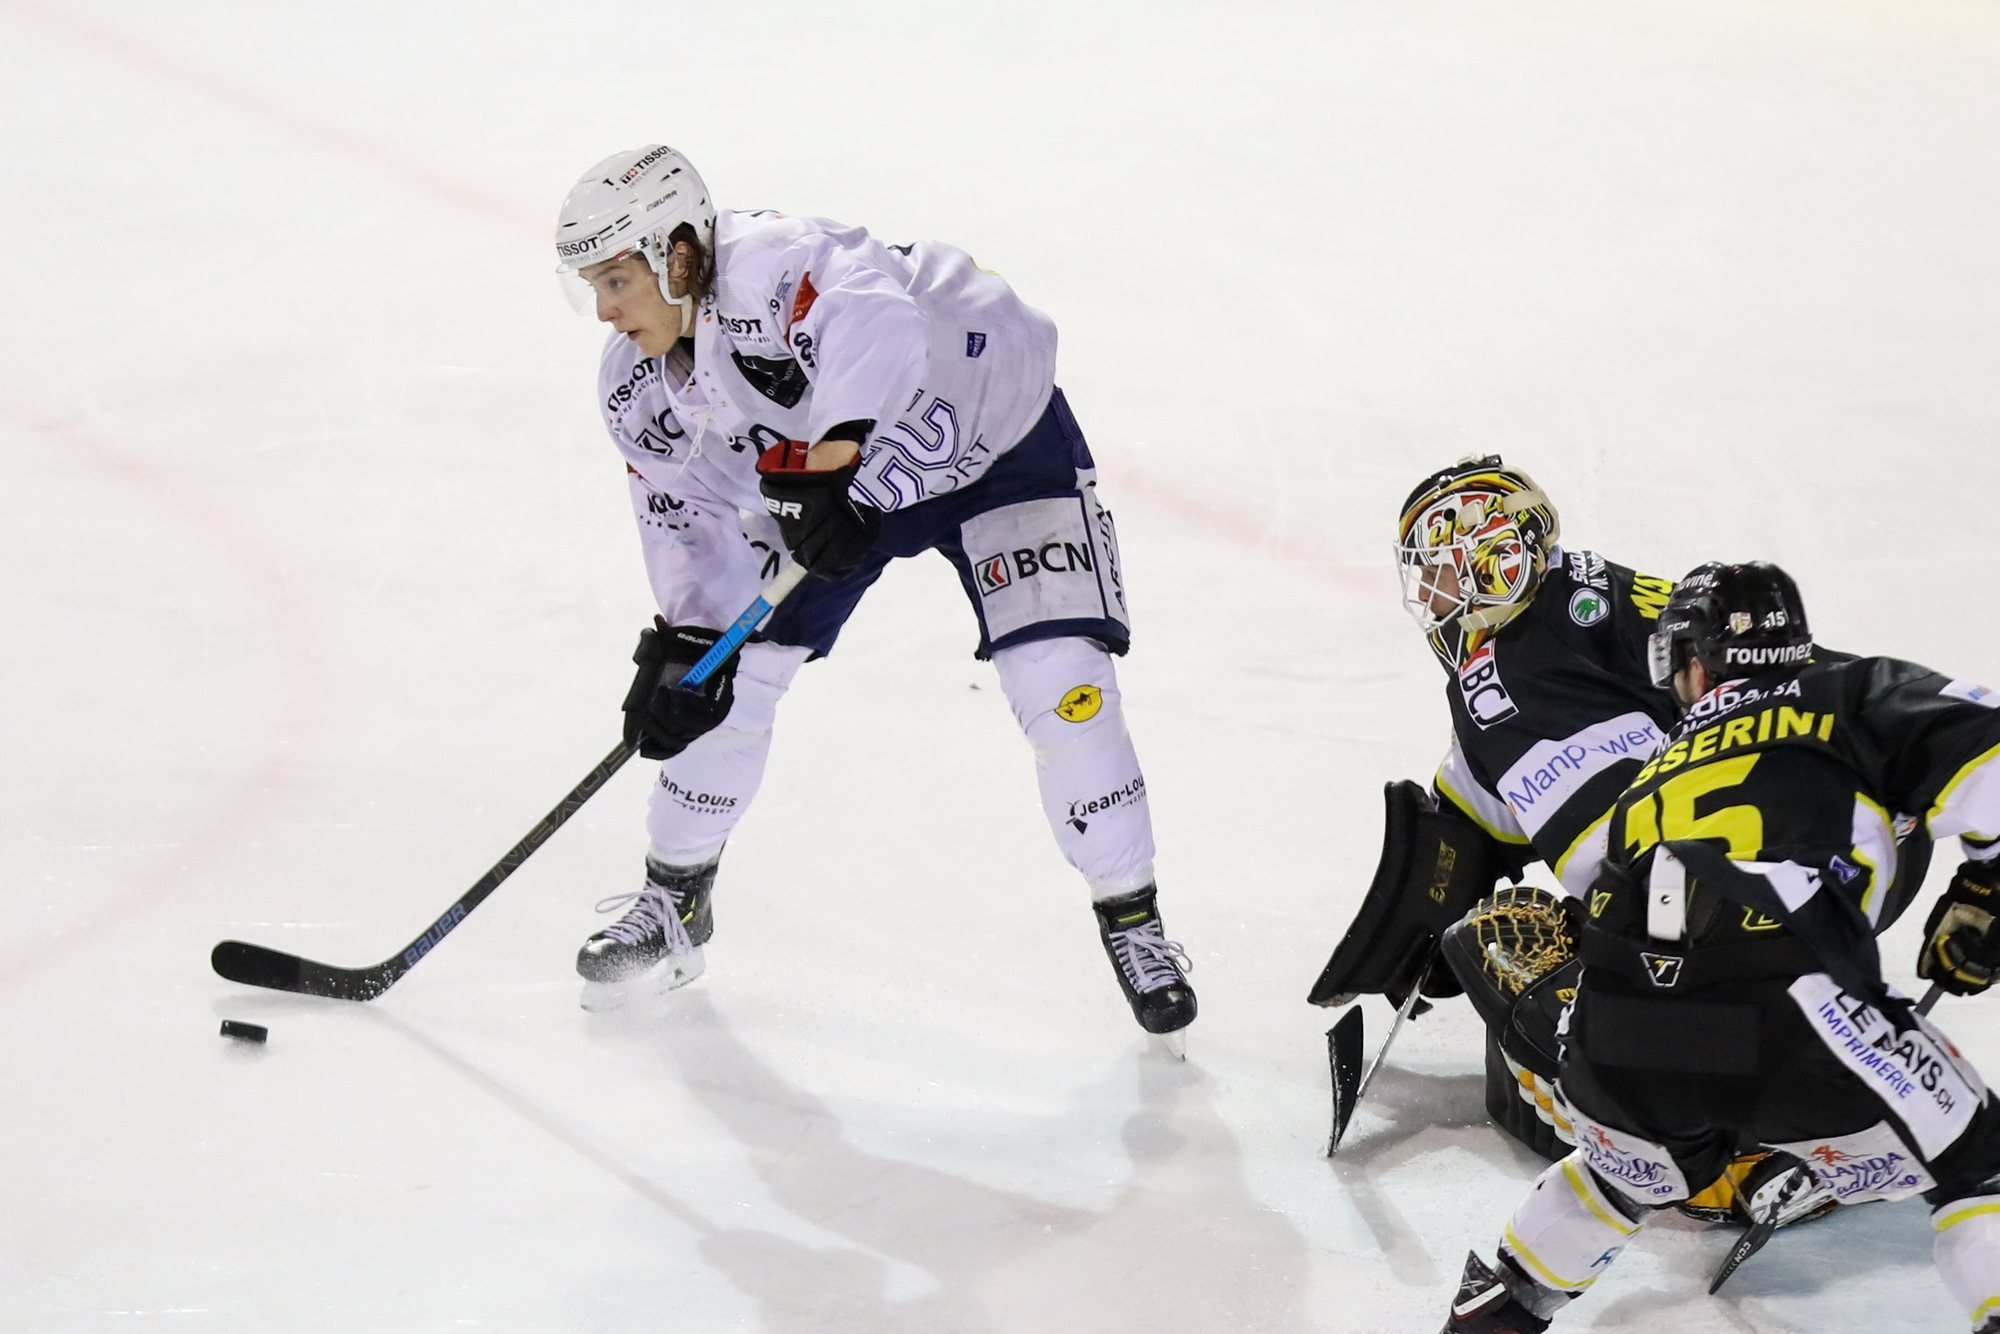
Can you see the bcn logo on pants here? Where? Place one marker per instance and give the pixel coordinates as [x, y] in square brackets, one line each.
[998, 571]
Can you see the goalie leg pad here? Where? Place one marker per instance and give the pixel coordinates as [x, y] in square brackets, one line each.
[1526, 1104]
[1434, 865]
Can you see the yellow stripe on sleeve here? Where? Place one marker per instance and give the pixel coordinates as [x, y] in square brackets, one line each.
[1471, 813]
[1944, 795]
[1590, 831]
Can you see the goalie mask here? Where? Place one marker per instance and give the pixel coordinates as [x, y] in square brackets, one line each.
[1473, 544]
[632, 202]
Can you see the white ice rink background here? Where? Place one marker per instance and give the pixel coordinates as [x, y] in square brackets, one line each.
[317, 583]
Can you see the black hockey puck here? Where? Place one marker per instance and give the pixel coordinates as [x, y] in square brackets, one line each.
[235, 1028]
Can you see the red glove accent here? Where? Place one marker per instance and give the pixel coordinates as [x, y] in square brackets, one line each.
[783, 457]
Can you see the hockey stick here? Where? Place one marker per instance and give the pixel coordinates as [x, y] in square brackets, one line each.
[261, 966]
[1930, 998]
[1758, 1233]
[1343, 1052]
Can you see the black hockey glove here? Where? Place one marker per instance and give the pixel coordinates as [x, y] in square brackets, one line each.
[662, 719]
[827, 532]
[1961, 950]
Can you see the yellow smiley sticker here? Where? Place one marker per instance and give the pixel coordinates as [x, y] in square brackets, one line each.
[1080, 704]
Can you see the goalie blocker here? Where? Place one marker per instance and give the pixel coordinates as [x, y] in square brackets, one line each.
[1435, 865]
[1512, 953]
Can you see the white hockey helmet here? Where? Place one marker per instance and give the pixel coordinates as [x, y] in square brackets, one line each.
[631, 202]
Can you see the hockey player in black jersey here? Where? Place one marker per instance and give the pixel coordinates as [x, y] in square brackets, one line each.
[1731, 995]
[1552, 713]
[1554, 709]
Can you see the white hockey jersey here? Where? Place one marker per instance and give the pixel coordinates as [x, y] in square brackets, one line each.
[813, 324]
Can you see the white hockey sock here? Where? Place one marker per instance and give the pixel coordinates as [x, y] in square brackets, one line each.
[1566, 1232]
[703, 791]
[1064, 693]
[1967, 1252]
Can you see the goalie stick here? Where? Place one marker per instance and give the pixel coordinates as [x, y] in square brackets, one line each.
[261, 966]
[1758, 1233]
[1343, 1054]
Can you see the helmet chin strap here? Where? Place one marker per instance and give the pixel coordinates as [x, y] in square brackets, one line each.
[686, 305]
[659, 257]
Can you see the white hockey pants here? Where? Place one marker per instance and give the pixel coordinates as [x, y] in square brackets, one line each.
[1064, 693]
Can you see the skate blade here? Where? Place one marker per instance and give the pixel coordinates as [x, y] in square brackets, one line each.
[1174, 1044]
[669, 974]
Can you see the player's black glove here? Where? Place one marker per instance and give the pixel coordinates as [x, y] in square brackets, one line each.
[662, 719]
[827, 532]
[1961, 942]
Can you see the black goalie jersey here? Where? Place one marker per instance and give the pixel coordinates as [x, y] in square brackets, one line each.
[1553, 714]
[1796, 779]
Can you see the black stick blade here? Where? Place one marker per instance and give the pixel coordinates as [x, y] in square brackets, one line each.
[1747, 1245]
[1343, 1056]
[275, 970]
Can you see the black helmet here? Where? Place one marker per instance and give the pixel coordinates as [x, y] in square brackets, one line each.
[1735, 620]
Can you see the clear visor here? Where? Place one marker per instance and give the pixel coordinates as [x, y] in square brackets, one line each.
[577, 289]
[582, 293]
[1660, 659]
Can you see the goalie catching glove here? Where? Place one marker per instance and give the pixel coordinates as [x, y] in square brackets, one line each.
[661, 718]
[1961, 942]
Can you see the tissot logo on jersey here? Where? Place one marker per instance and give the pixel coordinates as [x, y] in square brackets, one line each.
[1485, 695]
[646, 370]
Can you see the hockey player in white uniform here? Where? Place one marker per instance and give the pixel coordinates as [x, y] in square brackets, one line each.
[791, 386]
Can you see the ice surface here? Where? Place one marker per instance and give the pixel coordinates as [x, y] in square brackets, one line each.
[319, 584]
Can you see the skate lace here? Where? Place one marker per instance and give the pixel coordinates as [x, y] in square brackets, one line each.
[654, 910]
[1149, 959]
